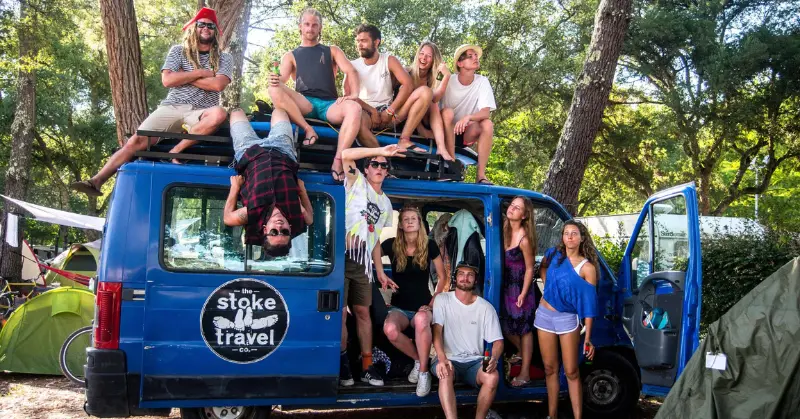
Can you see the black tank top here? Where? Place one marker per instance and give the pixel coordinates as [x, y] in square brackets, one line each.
[314, 71]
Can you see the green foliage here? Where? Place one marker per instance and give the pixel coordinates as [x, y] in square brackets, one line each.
[734, 264]
[612, 250]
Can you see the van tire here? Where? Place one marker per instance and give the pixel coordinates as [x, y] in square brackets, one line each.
[250, 412]
[610, 386]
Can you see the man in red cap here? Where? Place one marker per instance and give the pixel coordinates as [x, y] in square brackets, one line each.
[195, 73]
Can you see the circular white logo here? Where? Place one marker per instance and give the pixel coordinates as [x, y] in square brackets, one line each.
[244, 320]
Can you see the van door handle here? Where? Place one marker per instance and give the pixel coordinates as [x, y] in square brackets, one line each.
[328, 301]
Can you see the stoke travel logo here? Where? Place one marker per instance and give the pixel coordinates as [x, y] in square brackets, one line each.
[244, 320]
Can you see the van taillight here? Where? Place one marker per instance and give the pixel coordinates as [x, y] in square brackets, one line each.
[106, 322]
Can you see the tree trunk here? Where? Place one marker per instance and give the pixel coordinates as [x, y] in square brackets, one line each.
[565, 174]
[124, 65]
[231, 96]
[22, 134]
[228, 14]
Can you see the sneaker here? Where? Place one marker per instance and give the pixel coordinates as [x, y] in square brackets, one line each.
[491, 414]
[424, 384]
[372, 376]
[345, 376]
[413, 376]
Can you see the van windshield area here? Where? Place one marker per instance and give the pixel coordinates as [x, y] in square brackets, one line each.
[195, 238]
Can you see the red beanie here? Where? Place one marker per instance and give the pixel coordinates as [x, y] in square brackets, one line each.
[205, 13]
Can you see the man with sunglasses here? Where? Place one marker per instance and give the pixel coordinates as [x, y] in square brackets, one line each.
[195, 73]
[275, 205]
[367, 211]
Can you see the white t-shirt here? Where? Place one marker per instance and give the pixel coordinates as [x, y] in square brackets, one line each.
[375, 80]
[465, 327]
[469, 99]
[366, 213]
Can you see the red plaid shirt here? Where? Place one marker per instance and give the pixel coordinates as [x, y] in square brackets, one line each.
[270, 177]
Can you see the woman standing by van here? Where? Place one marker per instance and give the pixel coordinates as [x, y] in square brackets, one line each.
[427, 65]
[412, 253]
[570, 276]
[519, 302]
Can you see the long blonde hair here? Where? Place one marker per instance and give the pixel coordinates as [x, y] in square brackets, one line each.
[420, 257]
[437, 59]
[190, 42]
[527, 224]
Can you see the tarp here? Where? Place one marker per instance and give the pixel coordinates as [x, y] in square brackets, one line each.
[760, 339]
[81, 259]
[54, 216]
[31, 339]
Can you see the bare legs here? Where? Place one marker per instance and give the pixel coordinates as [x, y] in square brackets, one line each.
[412, 112]
[394, 326]
[209, 122]
[294, 104]
[548, 344]
[481, 132]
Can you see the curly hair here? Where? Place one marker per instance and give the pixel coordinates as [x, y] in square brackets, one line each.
[399, 247]
[527, 223]
[586, 248]
[191, 39]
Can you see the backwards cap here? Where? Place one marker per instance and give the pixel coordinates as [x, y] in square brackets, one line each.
[204, 13]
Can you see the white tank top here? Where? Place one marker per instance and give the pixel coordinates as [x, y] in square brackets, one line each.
[376, 81]
[580, 265]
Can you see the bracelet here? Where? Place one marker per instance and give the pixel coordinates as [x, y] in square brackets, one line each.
[390, 111]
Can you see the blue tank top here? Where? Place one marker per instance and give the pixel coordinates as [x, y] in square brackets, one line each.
[565, 290]
[314, 72]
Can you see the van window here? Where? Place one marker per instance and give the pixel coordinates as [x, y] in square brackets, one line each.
[195, 238]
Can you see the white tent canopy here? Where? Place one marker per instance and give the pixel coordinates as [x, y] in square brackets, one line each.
[54, 216]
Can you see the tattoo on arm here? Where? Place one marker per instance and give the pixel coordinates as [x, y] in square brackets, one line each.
[352, 170]
[242, 215]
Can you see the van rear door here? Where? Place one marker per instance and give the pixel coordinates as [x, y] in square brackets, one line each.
[224, 324]
[661, 269]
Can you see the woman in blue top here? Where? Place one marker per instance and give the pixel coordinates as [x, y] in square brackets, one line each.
[570, 277]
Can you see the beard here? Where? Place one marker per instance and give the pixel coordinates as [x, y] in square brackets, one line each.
[367, 53]
[465, 287]
[206, 41]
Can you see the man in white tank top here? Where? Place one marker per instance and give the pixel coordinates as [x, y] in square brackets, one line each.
[378, 72]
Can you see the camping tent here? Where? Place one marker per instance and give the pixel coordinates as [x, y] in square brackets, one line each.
[31, 339]
[755, 357]
[80, 259]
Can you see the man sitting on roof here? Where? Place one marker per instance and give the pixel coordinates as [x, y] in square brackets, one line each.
[466, 108]
[275, 205]
[376, 72]
[195, 73]
[313, 67]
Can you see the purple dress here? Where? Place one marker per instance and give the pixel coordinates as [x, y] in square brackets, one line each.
[516, 321]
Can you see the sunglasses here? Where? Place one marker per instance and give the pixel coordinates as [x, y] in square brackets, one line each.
[275, 232]
[208, 25]
[375, 164]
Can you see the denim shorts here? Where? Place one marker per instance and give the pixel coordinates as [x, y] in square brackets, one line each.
[280, 137]
[319, 108]
[409, 314]
[465, 372]
[554, 321]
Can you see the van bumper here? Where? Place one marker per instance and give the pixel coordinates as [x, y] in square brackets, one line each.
[110, 391]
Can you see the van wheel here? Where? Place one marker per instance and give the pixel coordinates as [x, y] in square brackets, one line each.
[227, 412]
[610, 385]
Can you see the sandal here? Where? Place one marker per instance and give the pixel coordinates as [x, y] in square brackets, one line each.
[515, 358]
[338, 177]
[411, 146]
[310, 139]
[484, 181]
[519, 383]
[87, 187]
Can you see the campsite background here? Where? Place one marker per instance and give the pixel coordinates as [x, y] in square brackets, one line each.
[706, 92]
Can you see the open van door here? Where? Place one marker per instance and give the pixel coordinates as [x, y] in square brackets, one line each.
[662, 276]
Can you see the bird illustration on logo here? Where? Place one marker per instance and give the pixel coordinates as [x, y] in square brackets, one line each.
[245, 320]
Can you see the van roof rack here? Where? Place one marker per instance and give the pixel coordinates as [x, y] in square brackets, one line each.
[217, 150]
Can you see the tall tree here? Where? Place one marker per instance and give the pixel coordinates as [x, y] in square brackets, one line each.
[22, 132]
[565, 174]
[124, 65]
[232, 94]
[229, 13]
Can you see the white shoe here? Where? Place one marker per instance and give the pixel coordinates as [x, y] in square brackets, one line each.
[424, 384]
[413, 376]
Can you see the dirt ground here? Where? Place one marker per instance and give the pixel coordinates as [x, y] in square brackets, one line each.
[47, 397]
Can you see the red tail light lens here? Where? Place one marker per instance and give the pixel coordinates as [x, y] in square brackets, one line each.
[108, 299]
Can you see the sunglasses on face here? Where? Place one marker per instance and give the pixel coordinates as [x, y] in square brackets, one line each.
[375, 164]
[275, 232]
[209, 25]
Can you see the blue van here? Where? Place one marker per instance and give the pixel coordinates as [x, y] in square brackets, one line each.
[189, 317]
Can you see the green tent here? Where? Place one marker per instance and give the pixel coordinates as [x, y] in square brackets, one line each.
[80, 259]
[760, 338]
[31, 339]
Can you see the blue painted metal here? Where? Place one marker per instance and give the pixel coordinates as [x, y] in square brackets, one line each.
[161, 335]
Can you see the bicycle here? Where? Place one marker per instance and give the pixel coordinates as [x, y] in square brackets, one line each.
[78, 341]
